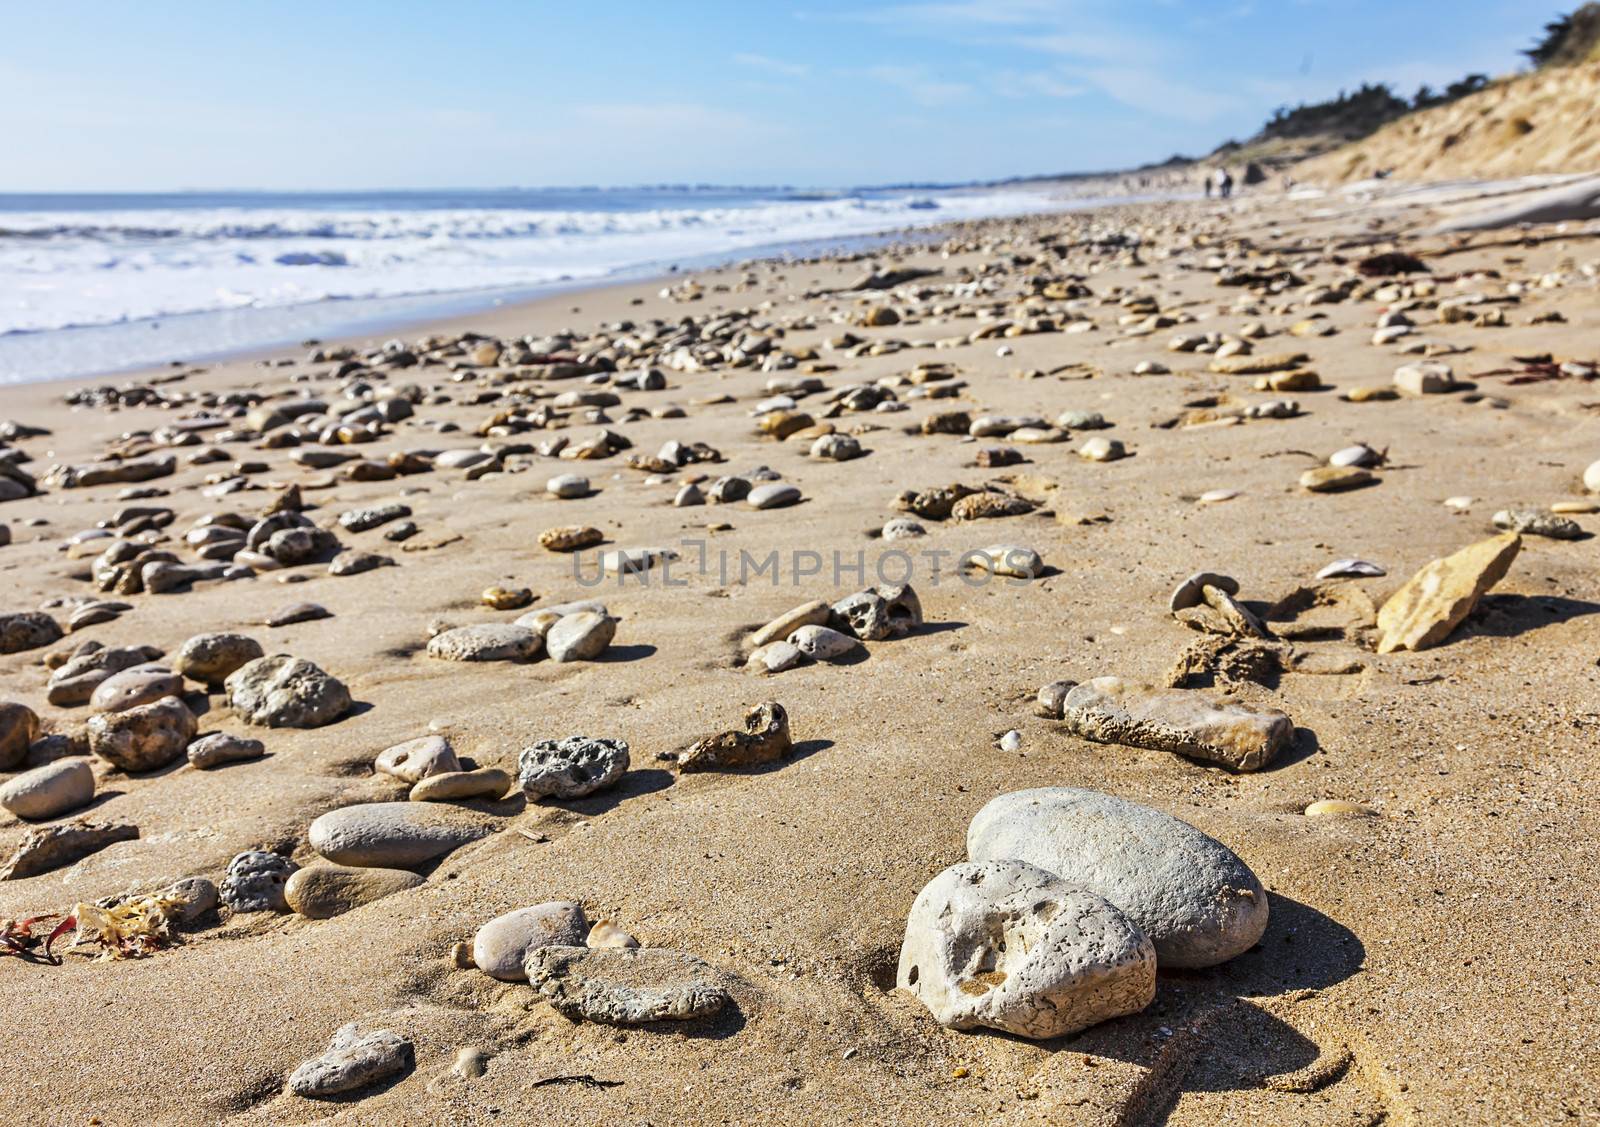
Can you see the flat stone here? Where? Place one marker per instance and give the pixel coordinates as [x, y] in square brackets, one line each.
[209, 658]
[1102, 449]
[74, 682]
[286, 692]
[1351, 569]
[49, 791]
[500, 947]
[570, 768]
[1332, 479]
[1337, 808]
[1434, 601]
[580, 637]
[320, 892]
[397, 835]
[414, 760]
[142, 684]
[144, 737]
[1532, 522]
[255, 881]
[452, 786]
[1192, 724]
[774, 495]
[27, 630]
[567, 486]
[623, 986]
[297, 612]
[1006, 945]
[1011, 560]
[51, 847]
[763, 739]
[354, 1060]
[1199, 904]
[570, 538]
[220, 748]
[486, 641]
[1425, 377]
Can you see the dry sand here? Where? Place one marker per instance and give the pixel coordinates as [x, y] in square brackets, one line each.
[1432, 964]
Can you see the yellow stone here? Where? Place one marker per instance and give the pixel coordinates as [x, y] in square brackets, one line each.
[1435, 600]
[1338, 808]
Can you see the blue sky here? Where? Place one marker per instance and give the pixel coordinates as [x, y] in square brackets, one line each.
[123, 95]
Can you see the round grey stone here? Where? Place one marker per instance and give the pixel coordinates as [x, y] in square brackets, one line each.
[286, 692]
[501, 946]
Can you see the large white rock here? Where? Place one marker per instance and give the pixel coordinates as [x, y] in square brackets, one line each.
[501, 946]
[1196, 900]
[1007, 945]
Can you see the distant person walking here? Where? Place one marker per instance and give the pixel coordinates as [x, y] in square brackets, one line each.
[1208, 178]
[1224, 183]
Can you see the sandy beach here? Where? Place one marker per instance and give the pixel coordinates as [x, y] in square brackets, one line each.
[1428, 957]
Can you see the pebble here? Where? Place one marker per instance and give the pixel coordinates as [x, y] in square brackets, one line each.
[415, 760]
[775, 657]
[286, 692]
[209, 658]
[1102, 449]
[140, 684]
[486, 641]
[1005, 945]
[353, 562]
[902, 528]
[607, 934]
[506, 598]
[1425, 377]
[1191, 724]
[320, 892]
[353, 1061]
[776, 495]
[485, 782]
[764, 738]
[1351, 568]
[1199, 904]
[1434, 601]
[255, 880]
[1580, 507]
[49, 791]
[814, 613]
[1052, 698]
[836, 448]
[580, 637]
[571, 768]
[626, 986]
[144, 737]
[394, 835]
[297, 612]
[1532, 522]
[219, 748]
[822, 643]
[1332, 479]
[27, 630]
[1011, 560]
[471, 1062]
[567, 486]
[500, 947]
[1217, 496]
[1338, 808]
[19, 727]
[1358, 455]
[1591, 477]
[570, 538]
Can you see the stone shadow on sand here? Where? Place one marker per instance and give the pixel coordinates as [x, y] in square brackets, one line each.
[635, 784]
[1507, 616]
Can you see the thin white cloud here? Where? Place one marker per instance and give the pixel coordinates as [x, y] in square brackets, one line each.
[771, 65]
[920, 84]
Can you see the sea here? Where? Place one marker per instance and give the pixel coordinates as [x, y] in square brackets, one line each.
[101, 283]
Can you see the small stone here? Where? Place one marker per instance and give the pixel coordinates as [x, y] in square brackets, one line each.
[353, 562]
[394, 835]
[1591, 477]
[821, 643]
[570, 538]
[219, 748]
[1338, 808]
[1351, 568]
[1580, 507]
[567, 486]
[1198, 902]
[986, 505]
[286, 692]
[1425, 377]
[836, 448]
[1111, 710]
[902, 528]
[144, 737]
[19, 727]
[1052, 698]
[488, 641]
[194, 896]
[775, 657]
[1358, 455]
[507, 598]
[27, 630]
[255, 882]
[141, 684]
[775, 495]
[1011, 560]
[571, 768]
[1531, 522]
[580, 637]
[209, 658]
[764, 739]
[51, 847]
[607, 934]
[1332, 479]
[500, 948]
[1011, 741]
[623, 986]
[471, 1062]
[354, 1060]
[486, 782]
[1006, 945]
[1191, 592]
[1101, 449]
[320, 892]
[415, 760]
[297, 612]
[49, 791]
[1435, 600]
